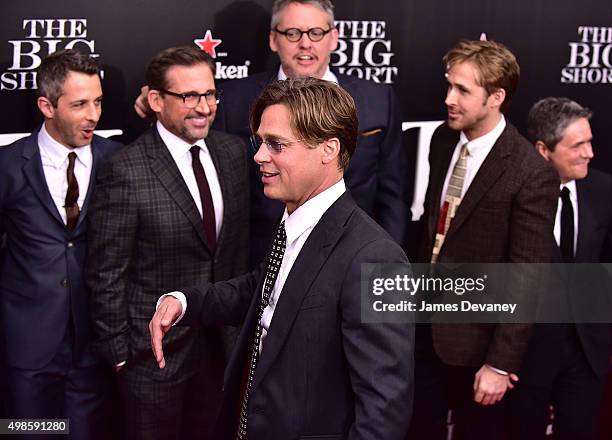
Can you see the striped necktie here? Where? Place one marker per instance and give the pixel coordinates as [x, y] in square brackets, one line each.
[452, 199]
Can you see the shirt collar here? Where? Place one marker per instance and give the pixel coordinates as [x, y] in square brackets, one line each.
[327, 76]
[484, 142]
[57, 153]
[309, 214]
[571, 186]
[177, 147]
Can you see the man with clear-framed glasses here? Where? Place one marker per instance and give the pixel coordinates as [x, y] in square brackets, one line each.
[171, 210]
[303, 34]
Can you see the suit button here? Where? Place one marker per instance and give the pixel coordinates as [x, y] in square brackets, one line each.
[64, 282]
[69, 244]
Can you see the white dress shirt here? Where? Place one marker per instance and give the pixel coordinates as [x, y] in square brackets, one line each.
[573, 194]
[298, 226]
[327, 76]
[54, 158]
[478, 150]
[179, 150]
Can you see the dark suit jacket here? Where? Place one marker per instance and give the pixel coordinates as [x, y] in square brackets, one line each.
[594, 245]
[507, 215]
[375, 175]
[147, 238]
[41, 268]
[322, 373]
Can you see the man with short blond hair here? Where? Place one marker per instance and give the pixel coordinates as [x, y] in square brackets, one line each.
[490, 199]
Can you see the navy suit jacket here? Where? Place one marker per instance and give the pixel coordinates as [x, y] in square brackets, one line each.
[322, 373]
[375, 175]
[594, 245]
[41, 267]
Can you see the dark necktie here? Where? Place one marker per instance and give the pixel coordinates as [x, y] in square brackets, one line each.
[567, 227]
[72, 195]
[274, 264]
[208, 210]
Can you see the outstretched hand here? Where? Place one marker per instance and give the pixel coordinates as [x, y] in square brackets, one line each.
[167, 313]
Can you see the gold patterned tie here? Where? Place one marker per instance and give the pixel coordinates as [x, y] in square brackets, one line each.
[452, 199]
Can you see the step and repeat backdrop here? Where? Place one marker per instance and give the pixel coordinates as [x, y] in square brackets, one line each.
[564, 48]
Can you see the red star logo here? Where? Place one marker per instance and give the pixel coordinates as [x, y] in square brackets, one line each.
[208, 44]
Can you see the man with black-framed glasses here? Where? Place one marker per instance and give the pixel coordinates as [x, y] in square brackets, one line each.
[303, 34]
[171, 211]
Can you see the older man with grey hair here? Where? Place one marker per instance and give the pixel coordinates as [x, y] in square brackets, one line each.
[566, 364]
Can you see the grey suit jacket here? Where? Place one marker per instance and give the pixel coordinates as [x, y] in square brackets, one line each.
[146, 238]
[506, 216]
[322, 374]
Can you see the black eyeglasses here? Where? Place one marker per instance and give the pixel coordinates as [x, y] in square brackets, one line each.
[294, 34]
[274, 146]
[192, 99]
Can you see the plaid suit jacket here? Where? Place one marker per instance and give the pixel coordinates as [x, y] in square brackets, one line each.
[506, 216]
[147, 239]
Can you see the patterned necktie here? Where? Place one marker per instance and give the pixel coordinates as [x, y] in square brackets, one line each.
[274, 264]
[567, 227]
[208, 210]
[452, 199]
[72, 195]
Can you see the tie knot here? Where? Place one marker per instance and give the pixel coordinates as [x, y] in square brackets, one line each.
[565, 193]
[281, 233]
[71, 157]
[195, 152]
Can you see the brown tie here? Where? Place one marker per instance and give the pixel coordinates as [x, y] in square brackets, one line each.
[72, 195]
[208, 210]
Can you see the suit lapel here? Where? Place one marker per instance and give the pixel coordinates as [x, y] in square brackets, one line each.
[217, 154]
[96, 154]
[587, 201]
[489, 172]
[305, 270]
[34, 174]
[164, 167]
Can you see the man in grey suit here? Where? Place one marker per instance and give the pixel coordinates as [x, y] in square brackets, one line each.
[491, 199]
[315, 370]
[171, 210]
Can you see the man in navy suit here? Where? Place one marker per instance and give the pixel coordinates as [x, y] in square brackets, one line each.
[566, 365]
[315, 370]
[46, 182]
[303, 35]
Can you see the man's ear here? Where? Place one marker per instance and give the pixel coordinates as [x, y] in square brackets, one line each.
[272, 41]
[46, 107]
[497, 98]
[155, 100]
[542, 149]
[331, 150]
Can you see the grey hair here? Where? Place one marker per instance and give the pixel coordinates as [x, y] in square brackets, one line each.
[325, 5]
[549, 117]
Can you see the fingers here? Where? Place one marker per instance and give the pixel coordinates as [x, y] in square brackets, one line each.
[141, 105]
[158, 329]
